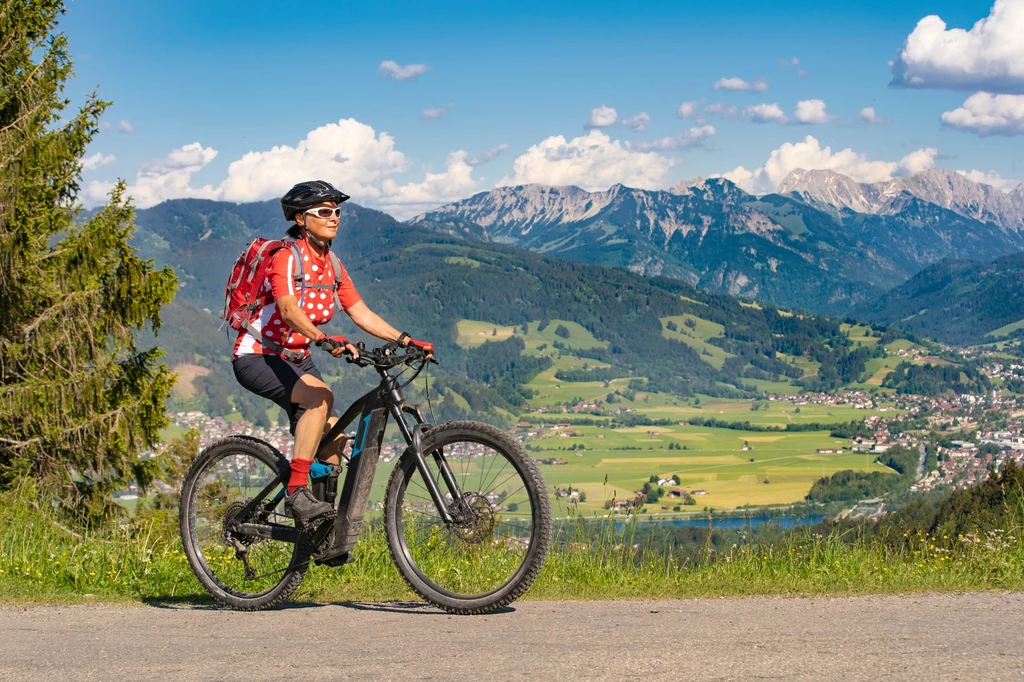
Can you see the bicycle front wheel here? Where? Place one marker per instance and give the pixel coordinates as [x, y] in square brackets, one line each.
[245, 572]
[492, 552]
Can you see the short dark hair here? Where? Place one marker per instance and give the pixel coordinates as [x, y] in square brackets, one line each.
[295, 232]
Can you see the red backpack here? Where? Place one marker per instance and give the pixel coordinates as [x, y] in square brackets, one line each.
[242, 291]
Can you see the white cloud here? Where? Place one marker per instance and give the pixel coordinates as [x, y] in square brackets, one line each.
[638, 123]
[869, 115]
[811, 111]
[161, 179]
[97, 160]
[990, 178]
[989, 57]
[105, 125]
[395, 72]
[988, 114]
[486, 155]
[698, 136]
[405, 201]
[721, 110]
[917, 161]
[802, 73]
[740, 85]
[601, 117]
[125, 126]
[348, 153]
[593, 161]
[810, 155]
[789, 62]
[433, 113]
[765, 113]
[687, 109]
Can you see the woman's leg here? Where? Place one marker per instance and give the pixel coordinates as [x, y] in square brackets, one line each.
[317, 401]
[331, 453]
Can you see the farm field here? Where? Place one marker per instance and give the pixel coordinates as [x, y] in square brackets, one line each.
[784, 465]
[777, 468]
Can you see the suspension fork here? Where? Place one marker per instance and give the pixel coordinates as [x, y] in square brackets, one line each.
[414, 437]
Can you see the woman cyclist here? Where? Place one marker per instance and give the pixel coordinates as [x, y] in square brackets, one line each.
[272, 357]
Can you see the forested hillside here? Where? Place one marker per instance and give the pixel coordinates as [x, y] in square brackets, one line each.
[428, 282]
[957, 301]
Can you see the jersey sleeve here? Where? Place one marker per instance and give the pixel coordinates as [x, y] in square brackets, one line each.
[281, 274]
[347, 294]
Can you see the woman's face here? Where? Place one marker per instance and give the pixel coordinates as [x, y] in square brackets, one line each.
[324, 229]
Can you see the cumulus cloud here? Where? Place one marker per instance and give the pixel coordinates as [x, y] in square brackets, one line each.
[793, 61]
[917, 161]
[395, 72]
[688, 109]
[486, 155]
[593, 161]
[811, 111]
[125, 126]
[165, 178]
[990, 178]
[638, 123]
[987, 114]
[740, 85]
[348, 153]
[988, 57]
[698, 136]
[432, 113]
[405, 201]
[868, 115]
[601, 117]
[97, 160]
[765, 113]
[721, 110]
[810, 155]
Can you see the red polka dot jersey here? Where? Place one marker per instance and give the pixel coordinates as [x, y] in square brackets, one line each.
[318, 304]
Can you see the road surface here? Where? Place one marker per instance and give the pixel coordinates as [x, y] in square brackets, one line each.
[947, 637]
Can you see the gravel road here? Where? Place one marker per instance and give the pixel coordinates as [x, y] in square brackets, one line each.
[966, 636]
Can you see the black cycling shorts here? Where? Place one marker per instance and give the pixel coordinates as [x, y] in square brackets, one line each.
[273, 377]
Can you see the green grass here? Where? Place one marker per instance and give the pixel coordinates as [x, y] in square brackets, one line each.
[1006, 330]
[43, 561]
[696, 337]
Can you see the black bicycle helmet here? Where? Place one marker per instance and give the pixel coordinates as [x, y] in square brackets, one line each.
[307, 195]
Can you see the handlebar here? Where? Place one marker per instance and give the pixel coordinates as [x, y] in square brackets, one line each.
[387, 356]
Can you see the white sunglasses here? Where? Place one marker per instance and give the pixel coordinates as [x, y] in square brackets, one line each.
[324, 212]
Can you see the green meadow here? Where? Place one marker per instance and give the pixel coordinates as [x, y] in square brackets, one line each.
[606, 463]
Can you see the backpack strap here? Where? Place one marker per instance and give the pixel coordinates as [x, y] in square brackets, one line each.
[336, 264]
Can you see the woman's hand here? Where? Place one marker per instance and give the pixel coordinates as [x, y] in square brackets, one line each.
[337, 346]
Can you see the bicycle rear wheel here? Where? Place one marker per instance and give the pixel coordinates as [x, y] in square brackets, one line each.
[222, 480]
[495, 548]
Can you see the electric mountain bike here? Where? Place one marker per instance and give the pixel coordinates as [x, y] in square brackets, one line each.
[465, 512]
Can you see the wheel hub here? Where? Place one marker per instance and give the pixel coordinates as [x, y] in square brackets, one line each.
[476, 519]
[232, 516]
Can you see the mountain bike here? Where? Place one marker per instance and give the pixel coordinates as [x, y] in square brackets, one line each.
[466, 514]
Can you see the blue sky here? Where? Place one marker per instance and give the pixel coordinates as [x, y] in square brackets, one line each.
[503, 93]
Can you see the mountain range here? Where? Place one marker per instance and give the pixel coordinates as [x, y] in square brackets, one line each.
[823, 243]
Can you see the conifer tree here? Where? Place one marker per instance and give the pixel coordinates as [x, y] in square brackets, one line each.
[78, 400]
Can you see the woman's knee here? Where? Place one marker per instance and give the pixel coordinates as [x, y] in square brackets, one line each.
[313, 395]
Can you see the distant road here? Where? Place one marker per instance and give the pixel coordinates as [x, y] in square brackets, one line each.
[933, 637]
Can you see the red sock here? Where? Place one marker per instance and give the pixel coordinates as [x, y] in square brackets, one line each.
[300, 474]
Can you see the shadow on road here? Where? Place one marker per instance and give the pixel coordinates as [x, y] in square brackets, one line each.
[417, 608]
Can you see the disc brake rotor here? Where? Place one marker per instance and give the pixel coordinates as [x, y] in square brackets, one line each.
[476, 519]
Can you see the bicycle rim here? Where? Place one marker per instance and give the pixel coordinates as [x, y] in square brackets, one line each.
[224, 486]
[489, 545]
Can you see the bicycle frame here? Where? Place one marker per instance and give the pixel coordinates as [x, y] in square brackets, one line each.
[373, 410]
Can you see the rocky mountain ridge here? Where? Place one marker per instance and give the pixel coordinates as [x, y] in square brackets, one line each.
[789, 250]
[829, 190]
